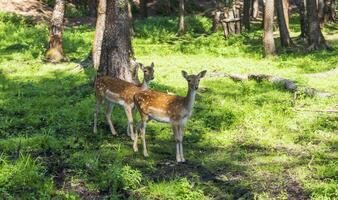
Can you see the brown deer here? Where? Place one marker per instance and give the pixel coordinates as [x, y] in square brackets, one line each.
[167, 108]
[120, 92]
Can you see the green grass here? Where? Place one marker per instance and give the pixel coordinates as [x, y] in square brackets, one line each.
[244, 140]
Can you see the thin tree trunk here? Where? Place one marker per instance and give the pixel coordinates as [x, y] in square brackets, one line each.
[143, 9]
[303, 21]
[321, 12]
[316, 39]
[246, 14]
[181, 25]
[116, 43]
[268, 41]
[332, 11]
[130, 16]
[54, 52]
[255, 9]
[215, 21]
[286, 12]
[99, 30]
[283, 29]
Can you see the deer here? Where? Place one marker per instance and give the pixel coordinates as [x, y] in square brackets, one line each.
[167, 108]
[117, 91]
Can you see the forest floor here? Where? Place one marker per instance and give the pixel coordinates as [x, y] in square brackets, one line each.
[245, 140]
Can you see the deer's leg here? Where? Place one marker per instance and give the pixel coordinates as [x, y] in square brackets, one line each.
[178, 152]
[99, 101]
[180, 138]
[109, 110]
[143, 124]
[130, 128]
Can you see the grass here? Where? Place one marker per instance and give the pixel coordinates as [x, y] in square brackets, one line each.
[244, 140]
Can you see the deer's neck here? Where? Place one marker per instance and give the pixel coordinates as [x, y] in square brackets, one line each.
[144, 85]
[190, 100]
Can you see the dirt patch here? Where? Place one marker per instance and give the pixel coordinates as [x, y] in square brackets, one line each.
[33, 8]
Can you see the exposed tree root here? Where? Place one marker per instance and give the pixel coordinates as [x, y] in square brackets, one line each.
[288, 84]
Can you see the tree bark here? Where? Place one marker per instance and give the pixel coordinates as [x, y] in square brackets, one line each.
[303, 21]
[246, 14]
[286, 12]
[332, 11]
[316, 39]
[268, 41]
[54, 52]
[130, 16]
[116, 43]
[321, 12]
[283, 29]
[255, 9]
[181, 25]
[99, 30]
[143, 9]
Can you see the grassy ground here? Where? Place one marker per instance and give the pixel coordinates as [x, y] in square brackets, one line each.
[244, 140]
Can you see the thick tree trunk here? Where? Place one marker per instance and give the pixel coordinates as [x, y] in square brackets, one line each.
[143, 9]
[303, 21]
[255, 9]
[116, 43]
[283, 29]
[99, 30]
[54, 52]
[316, 39]
[181, 24]
[268, 41]
[246, 14]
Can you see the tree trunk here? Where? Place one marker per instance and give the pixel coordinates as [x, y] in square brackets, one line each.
[283, 29]
[303, 22]
[316, 39]
[130, 16]
[143, 9]
[286, 12]
[268, 41]
[116, 43]
[181, 25]
[332, 11]
[321, 12]
[255, 9]
[246, 14]
[215, 21]
[55, 50]
[99, 30]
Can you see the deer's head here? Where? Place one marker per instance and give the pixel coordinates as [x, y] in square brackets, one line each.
[148, 72]
[193, 80]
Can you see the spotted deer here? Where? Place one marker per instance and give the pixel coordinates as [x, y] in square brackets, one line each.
[167, 108]
[117, 91]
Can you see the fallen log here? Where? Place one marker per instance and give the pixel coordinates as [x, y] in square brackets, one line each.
[288, 84]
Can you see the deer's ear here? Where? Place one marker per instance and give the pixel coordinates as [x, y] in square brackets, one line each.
[184, 74]
[152, 65]
[202, 73]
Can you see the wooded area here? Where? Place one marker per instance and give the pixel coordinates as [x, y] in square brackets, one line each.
[177, 99]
